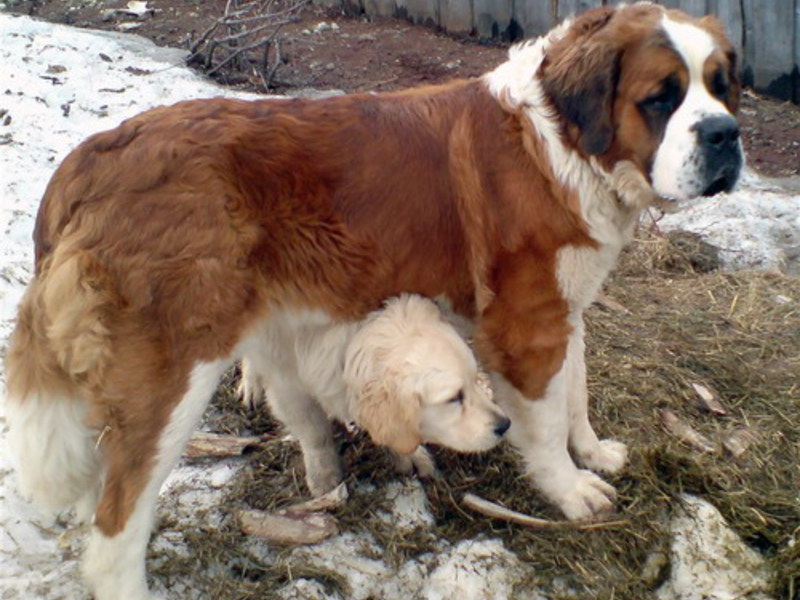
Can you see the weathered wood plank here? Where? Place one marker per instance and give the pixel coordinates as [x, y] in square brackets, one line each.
[730, 13]
[421, 12]
[380, 8]
[535, 17]
[570, 8]
[796, 69]
[772, 44]
[492, 18]
[455, 16]
[698, 8]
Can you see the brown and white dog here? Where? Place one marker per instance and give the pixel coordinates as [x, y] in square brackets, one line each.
[164, 246]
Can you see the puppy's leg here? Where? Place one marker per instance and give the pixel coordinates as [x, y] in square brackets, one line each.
[539, 430]
[114, 562]
[306, 420]
[420, 461]
[608, 456]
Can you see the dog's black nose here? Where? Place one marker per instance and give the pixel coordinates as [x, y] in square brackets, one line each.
[718, 132]
[502, 426]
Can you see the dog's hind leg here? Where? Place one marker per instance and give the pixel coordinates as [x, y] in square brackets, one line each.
[114, 562]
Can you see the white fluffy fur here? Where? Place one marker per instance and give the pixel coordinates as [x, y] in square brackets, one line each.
[315, 371]
[59, 463]
[114, 566]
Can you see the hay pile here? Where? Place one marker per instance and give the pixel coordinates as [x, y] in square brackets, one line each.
[683, 322]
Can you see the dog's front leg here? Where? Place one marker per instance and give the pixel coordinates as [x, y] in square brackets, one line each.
[539, 431]
[525, 337]
[608, 456]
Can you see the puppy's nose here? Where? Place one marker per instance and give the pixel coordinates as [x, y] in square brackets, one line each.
[502, 426]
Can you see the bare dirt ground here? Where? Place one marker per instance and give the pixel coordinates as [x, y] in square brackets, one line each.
[360, 54]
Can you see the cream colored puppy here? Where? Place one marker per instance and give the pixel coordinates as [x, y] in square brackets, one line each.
[402, 374]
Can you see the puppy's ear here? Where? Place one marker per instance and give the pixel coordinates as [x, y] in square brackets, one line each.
[390, 417]
[580, 75]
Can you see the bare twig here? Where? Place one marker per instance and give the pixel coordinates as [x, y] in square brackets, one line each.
[243, 37]
[491, 509]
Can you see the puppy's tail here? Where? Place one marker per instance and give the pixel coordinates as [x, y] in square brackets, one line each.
[59, 344]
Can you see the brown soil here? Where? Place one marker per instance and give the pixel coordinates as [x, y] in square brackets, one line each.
[360, 54]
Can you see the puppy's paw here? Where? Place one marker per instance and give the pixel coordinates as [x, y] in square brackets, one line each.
[323, 476]
[609, 456]
[587, 497]
[420, 461]
[251, 387]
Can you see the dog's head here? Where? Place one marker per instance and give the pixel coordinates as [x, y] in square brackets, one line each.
[412, 379]
[643, 85]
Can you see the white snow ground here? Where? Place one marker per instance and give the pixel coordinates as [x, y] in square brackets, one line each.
[57, 86]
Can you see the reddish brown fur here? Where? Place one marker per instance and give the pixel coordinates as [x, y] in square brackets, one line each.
[200, 217]
[162, 242]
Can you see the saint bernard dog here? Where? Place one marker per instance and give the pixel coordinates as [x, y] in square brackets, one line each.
[164, 246]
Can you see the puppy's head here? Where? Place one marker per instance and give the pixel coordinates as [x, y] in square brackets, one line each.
[411, 379]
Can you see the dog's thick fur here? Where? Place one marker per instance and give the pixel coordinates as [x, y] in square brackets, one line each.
[402, 374]
[164, 246]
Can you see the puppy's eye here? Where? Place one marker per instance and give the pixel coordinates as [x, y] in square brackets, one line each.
[458, 398]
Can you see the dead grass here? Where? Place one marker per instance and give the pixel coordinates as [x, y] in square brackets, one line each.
[686, 323]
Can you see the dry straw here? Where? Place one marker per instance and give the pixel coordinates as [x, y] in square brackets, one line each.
[686, 323]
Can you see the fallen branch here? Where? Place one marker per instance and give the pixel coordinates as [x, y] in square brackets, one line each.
[214, 445]
[333, 499]
[490, 509]
[289, 528]
[685, 432]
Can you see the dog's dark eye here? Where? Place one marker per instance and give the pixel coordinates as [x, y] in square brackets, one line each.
[458, 398]
[661, 102]
[719, 85]
[664, 101]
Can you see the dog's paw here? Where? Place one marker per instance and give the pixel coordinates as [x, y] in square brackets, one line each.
[251, 387]
[323, 476]
[420, 461]
[587, 497]
[609, 456]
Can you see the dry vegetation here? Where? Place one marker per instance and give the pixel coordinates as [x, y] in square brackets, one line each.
[681, 321]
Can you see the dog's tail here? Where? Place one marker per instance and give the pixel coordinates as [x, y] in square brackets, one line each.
[58, 348]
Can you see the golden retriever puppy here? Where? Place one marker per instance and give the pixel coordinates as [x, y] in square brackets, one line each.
[403, 374]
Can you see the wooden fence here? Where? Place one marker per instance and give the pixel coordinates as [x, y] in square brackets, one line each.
[766, 32]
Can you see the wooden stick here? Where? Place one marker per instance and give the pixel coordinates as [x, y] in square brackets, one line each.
[490, 509]
[289, 528]
[211, 445]
[685, 432]
[333, 499]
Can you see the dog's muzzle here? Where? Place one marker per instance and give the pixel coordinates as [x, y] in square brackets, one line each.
[721, 147]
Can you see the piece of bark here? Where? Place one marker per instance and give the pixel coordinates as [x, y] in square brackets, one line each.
[685, 432]
[738, 441]
[289, 527]
[333, 499]
[708, 399]
[214, 445]
[610, 303]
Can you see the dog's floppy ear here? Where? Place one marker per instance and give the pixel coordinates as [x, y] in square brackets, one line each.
[580, 75]
[390, 417]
